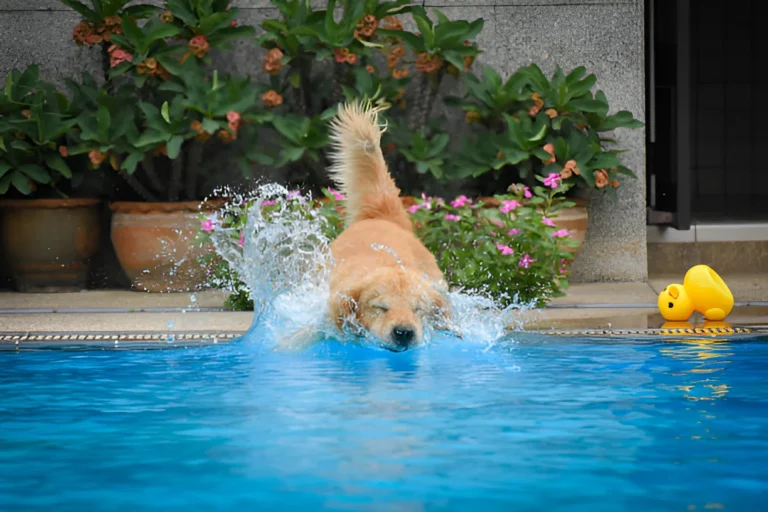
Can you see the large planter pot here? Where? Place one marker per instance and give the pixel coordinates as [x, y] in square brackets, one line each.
[155, 244]
[48, 243]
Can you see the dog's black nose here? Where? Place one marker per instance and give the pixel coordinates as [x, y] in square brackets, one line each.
[402, 335]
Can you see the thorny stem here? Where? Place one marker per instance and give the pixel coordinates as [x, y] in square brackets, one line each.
[306, 84]
[338, 89]
[194, 157]
[177, 172]
[148, 164]
[138, 187]
[105, 66]
[429, 86]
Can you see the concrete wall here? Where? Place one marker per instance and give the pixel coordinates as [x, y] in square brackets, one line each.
[606, 36]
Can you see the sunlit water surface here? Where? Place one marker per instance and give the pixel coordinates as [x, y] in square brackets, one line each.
[531, 423]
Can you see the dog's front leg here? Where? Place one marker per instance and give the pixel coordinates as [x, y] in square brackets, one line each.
[300, 340]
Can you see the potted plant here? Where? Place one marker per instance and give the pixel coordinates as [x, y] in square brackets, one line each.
[165, 121]
[530, 126]
[48, 237]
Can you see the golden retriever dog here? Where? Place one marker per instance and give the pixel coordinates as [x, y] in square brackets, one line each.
[384, 280]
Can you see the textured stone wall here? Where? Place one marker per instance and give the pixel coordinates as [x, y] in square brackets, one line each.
[606, 36]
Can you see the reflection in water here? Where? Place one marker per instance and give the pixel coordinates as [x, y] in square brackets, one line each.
[707, 358]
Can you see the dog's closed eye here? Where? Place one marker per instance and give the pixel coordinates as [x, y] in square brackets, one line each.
[380, 307]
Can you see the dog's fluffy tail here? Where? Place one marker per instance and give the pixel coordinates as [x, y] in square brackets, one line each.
[358, 166]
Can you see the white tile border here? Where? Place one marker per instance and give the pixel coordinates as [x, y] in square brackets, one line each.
[664, 234]
[744, 232]
[726, 232]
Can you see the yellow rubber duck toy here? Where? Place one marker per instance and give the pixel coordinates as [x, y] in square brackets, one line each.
[703, 290]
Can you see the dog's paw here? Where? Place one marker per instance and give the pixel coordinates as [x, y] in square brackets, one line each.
[299, 340]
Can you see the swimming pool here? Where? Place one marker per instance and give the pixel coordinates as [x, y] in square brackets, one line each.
[538, 423]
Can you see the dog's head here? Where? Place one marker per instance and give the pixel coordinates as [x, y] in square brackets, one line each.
[394, 305]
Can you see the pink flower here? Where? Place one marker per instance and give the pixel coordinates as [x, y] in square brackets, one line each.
[294, 194]
[548, 222]
[241, 242]
[561, 233]
[528, 194]
[497, 223]
[461, 201]
[513, 232]
[268, 202]
[493, 233]
[505, 250]
[414, 208]
[207, 225]
[509, 205]
[427, 201]
[552, 180]
[526, 261]
[454, 218]
[338, 196]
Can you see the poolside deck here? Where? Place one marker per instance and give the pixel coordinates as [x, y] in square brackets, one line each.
[587, 306]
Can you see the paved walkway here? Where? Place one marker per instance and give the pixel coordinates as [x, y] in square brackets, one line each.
[587, 306]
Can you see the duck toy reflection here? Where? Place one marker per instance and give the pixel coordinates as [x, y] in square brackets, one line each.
[703, 290]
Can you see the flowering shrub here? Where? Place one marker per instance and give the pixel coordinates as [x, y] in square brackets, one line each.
[314, 61]
[533, 126]
[510, 250]
[34, 119]
[165, 115]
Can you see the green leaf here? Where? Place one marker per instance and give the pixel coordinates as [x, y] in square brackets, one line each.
[131, 161]
[150, 138]
[162, 31]
[575, 75]
[4, 167]
[103, 121]
[587, 105]
[171, 86]
[36, 172]
[57, 163]
[581, 88]
[626, 171]
[623, 119]
[412, 40]
[132, 33]
[21, 183]
[164, 112]
[427, 32]
[605, 160]
[211, 125]
[542, 155]
[291, 154]
[511, 156]
[141, 11]
[541, 131]
[2, 145]
[81, 9]
[5, 183]
[174, 146]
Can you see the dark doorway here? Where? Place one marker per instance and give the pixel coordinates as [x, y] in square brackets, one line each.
[707, 111]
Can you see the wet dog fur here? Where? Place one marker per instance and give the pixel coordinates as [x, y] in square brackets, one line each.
[384, 280]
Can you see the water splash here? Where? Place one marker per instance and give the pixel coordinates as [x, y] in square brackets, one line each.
[276, 242]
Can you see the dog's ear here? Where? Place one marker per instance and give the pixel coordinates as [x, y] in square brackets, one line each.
[344, 305]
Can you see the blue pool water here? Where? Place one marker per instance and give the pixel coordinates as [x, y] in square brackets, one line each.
[536, 424]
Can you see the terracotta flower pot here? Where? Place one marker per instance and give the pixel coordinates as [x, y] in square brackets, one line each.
[155, 244]
[48, 243]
